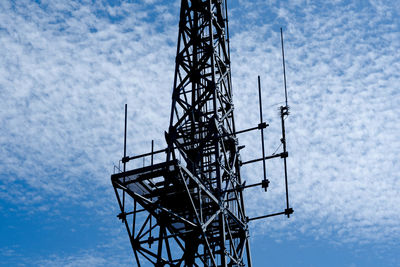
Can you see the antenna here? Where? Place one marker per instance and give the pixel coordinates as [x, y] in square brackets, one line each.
[284, 68]
[265, 181]
[284, 114]
[123, 160]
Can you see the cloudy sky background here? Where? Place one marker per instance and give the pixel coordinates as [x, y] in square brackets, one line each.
[68, 67]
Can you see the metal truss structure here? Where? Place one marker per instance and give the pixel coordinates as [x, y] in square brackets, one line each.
[189, 209]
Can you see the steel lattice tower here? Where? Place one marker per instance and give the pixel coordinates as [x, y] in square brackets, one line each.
[192, 204]
[202, 128]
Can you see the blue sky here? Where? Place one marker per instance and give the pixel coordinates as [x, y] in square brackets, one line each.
[68, 67]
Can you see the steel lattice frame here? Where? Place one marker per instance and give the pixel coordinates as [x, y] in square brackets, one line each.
[189, 210]
[195, 204]
[202, 127]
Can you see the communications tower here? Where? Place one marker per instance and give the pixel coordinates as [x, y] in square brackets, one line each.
[188, 210]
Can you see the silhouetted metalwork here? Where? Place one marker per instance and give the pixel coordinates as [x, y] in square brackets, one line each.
[191, 204]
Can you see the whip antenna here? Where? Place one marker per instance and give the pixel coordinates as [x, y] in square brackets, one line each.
[284, 68]
[284, 114]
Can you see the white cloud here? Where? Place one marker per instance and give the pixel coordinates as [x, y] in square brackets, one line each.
[67, 71]
[342, 132]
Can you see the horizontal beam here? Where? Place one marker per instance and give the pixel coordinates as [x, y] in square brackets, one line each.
[239, 188]
[126, 159]
[286, 212]
[281, 155]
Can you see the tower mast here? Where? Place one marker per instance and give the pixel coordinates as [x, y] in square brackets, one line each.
[188, 210]
[202, 124]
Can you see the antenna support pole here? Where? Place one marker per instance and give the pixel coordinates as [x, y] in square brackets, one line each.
[265, 181]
